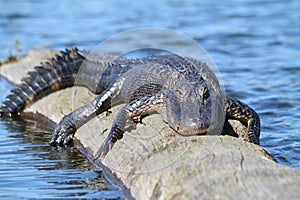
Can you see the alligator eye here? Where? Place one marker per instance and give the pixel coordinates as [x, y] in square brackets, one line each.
[205, 93]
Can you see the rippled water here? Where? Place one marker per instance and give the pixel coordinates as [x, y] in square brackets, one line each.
[255, 45]
[30, 168]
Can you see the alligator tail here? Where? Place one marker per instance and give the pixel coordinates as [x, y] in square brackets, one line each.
[56, 73]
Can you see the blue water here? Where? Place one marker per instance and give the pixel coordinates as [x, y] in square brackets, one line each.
[255, 45]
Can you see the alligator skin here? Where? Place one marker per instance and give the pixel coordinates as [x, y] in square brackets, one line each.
[184, 90]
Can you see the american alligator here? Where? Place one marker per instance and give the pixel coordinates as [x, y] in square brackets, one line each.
[182, 89]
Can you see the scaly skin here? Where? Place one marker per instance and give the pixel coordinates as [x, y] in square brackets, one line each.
[183, 90]
[52, 75]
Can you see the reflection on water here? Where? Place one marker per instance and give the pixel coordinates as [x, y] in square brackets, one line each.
[30, 168]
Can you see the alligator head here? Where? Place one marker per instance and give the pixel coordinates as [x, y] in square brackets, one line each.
[192, 108]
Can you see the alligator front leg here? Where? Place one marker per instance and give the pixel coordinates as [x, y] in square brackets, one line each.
[143, 106]
[65, 130]
[247, 116]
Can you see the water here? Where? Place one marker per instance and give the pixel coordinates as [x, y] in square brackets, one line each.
[255, 45]
[30, 168]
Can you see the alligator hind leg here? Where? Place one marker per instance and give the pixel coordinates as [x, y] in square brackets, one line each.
[143, 106]
[247, 116]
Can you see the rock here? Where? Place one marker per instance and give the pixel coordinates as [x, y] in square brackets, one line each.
[153, 162]
[15, 71]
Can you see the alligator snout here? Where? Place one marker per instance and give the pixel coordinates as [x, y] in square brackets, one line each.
[192, 127]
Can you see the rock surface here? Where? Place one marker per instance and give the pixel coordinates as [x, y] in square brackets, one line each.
[152, 162]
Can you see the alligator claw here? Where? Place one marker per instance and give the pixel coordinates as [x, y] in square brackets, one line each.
[104, 149]
[63, 133]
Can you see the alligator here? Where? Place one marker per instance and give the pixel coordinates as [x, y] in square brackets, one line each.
[184, 90]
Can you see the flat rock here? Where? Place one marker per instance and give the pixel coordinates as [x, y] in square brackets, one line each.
[153, 162]
[15, 71]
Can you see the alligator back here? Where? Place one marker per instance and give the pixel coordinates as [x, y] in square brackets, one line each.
[54, 74]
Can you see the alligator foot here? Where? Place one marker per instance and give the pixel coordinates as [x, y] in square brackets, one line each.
[114, 135]
[104, 149]
[64, 132]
